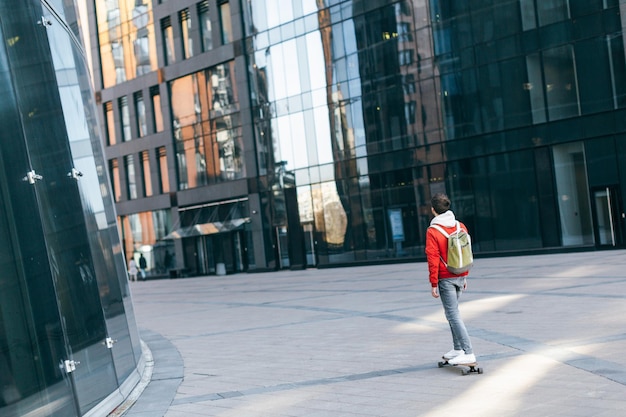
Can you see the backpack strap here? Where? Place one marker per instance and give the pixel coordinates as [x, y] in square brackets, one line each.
[446, 234]
[443, 232]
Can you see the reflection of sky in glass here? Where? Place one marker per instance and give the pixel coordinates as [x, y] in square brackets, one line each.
[76, 124]
[287, 77]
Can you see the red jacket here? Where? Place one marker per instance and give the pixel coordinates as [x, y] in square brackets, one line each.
[437, 254]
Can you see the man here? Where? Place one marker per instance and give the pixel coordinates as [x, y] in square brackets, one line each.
[142, 266]
[445, 284]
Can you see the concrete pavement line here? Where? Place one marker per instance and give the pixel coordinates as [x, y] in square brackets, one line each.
[600, 367]
[321, 381]
[295, 385]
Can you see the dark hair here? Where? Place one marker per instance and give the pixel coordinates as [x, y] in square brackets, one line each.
[441, 203]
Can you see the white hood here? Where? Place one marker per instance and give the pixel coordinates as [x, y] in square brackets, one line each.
[446, 219]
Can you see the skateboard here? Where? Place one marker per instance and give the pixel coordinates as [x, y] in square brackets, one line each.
[467, 368]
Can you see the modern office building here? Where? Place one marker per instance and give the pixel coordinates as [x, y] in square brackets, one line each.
[68, 340]
[265, 134]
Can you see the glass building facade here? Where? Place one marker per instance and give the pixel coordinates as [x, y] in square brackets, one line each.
[264, 134]
[68, 340]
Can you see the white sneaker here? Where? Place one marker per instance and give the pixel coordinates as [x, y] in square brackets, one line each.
[453, 354]
[463, 359]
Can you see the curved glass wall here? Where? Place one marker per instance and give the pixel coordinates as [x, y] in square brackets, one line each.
[68, 339]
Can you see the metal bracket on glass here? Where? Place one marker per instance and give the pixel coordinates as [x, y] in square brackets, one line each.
[44, 22]
[68, 366]
[32, 176]
[74, 173]
[109, 342]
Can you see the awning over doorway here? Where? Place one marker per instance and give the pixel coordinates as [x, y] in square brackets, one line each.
[208, 228]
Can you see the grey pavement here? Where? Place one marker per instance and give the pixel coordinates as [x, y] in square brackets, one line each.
[548, 330]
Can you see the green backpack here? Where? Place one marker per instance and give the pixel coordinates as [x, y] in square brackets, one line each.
[460, 258]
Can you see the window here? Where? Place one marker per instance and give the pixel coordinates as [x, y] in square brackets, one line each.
[131, 180]
[225, 22]
[205, 26]
[114, 172]
[164, 182]
[125, 116]
[168, 40]
[109, 120]
[561, 84]
[140, 109]
[405, 57]
[157, 114]
[126, 39]
[147, 178]
[185, 28]
[552, 11]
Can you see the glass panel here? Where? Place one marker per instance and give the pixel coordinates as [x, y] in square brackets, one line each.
[143, 237]
[140, 109]
[604, 218]
[109, 121]
[551, 11]
[225, 22]
[157, 112]
[164, 182]
[185, 28]
[205, 26]
[126, 39]
[573, 196]
[125, 118]
[115, 179]
[561, 83]
[618, 68]
[168, 41]
[528, 14]
[147, 177]
[535, 88]
[131, 180]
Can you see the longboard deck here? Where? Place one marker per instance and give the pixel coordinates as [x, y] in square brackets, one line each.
[472, 368]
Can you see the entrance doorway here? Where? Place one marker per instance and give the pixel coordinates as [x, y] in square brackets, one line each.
[216, 254]
[606, 216]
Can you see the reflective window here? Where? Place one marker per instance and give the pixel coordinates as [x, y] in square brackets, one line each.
[205, 26]
[125, 118]
[186, 31]
[140, 110]
[115, 179]
[167, 33]
[164, 182]
[560, 81]
[157, 111]
[131, 178]
[126, 39]
[147, 176]
[109, 121]
[225, 22]
[573, 196]
[141, 233]
[551, 11]
[206, 127]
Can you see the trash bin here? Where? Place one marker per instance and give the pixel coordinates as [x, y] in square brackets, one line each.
[220, 269]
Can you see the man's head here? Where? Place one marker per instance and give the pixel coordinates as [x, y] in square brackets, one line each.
[440, 203]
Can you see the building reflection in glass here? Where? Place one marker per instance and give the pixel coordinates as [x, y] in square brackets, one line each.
[127, 44]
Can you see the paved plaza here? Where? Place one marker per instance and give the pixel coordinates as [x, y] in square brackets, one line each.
[549, 331]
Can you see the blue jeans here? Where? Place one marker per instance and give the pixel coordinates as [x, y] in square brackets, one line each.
[450, 290]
